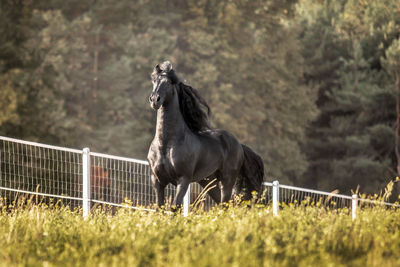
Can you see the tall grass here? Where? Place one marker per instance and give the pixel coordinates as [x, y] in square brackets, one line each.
[303, 235]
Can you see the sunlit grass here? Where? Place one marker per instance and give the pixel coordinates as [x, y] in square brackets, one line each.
[302, 235]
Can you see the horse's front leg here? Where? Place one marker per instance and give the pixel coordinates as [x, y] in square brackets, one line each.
[182, 186]
[159, 188]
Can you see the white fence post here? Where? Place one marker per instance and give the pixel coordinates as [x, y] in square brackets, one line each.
[186, 202]
[275, 198]
[86, 182]
[354, 205]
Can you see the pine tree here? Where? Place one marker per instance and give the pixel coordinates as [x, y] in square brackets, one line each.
[350, 144]
[246, 63]
[14, 18]
[87, 65]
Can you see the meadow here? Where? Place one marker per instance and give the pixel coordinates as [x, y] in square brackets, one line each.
[303, 235]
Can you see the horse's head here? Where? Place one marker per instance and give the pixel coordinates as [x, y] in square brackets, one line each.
[164, 80]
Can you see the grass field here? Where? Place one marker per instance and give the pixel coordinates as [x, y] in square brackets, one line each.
[37, 235]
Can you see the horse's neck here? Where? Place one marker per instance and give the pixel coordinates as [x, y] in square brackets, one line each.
[170, 123]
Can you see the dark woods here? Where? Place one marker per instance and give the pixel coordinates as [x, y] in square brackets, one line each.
[309, 85]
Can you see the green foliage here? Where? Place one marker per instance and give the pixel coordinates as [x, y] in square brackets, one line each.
[9, 98]
[13, 33]
[236, 236]
[351, 143]
[245, 61]
[309, 85]
[391, 61]
[87, 67]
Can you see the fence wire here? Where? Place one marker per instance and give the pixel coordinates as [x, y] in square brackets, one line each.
[115, 180]
[291, 195]
[44, 171]
[266, 196]
[297, 195]
[28, 168]
[51, 172]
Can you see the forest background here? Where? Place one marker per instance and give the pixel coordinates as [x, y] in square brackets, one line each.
[312, 86]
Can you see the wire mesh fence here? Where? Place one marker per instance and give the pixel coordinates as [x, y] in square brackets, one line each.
[47, 171]
[279, 195]
[115, 180]
[266, 196]
[294, 195]
[50, 172]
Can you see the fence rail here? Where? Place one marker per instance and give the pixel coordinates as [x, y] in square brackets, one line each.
[292, 194]
[84, 178]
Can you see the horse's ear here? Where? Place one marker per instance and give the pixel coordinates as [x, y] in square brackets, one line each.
[157, 68]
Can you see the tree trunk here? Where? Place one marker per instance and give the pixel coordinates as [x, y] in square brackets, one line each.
[397, 88]
[93, 93]
[396, 187]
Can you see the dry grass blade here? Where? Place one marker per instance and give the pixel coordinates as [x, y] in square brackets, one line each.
[201, 198]
[329, 197]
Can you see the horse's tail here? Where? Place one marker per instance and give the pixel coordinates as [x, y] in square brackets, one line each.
[251, 174]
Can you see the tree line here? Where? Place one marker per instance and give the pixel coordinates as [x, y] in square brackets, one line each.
[312, 86]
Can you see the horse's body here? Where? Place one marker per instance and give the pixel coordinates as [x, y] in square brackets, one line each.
[185, 149]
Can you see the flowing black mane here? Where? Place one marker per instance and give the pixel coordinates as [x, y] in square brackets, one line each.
[191, 103]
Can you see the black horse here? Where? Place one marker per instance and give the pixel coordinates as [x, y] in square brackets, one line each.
[186, 149]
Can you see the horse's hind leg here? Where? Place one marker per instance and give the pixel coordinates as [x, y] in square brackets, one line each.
[227, 183]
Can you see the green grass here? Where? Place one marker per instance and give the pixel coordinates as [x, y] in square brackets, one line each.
[37, 235]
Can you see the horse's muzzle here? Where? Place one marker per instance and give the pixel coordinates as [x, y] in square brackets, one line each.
[154, 100]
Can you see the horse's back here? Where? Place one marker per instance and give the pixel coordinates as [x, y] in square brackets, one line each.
[225, 138]
[232, 152]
